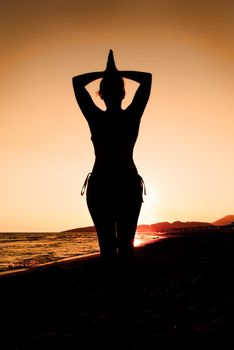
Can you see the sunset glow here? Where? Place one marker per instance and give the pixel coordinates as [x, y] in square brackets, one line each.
[137, 242]
[151, 201]
[184, 151]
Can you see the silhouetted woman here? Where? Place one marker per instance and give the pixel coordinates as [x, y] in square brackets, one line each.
[114, 192]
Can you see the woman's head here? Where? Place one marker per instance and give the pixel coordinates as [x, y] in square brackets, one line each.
[112, 89]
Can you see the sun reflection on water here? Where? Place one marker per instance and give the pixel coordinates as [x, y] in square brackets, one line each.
[137, 241]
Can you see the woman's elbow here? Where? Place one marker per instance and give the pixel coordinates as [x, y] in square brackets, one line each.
[76, 82]
[149, 76]
[148, 79]
[74, 79]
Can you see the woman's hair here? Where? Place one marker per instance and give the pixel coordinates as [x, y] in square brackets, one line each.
[112, 86]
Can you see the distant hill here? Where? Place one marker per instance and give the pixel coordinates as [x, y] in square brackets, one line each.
[161, 226]
[226, 220]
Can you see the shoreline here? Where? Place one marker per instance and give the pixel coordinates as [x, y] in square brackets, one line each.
[68, 260]
[188, 233]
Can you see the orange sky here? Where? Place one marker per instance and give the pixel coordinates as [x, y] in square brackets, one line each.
[185, 147]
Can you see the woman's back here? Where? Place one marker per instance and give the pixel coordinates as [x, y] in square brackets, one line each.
[114, 134]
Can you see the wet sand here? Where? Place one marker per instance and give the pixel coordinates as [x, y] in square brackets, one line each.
[182, 297]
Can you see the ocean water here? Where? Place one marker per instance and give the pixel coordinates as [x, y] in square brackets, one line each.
[27, 250]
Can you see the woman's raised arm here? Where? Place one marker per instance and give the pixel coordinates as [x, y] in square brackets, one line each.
[143, 92]
[83, 97]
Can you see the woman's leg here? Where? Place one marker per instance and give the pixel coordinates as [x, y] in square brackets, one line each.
[128, 210]
[100, 208]
[102, 215]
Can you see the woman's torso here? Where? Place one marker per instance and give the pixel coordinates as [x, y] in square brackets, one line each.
[114, 135]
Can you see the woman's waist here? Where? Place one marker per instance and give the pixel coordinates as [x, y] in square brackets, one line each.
[114, 179]
[114, 166]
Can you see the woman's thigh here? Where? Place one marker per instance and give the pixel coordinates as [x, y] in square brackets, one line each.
[128, 210]
[101, 210]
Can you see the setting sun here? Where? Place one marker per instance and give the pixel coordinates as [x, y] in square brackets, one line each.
[137, 241]
[150, 205]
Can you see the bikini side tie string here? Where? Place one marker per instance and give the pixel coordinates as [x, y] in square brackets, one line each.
[144, 187]
[85, 184]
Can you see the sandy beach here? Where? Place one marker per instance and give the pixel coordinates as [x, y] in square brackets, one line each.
[182, 297]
